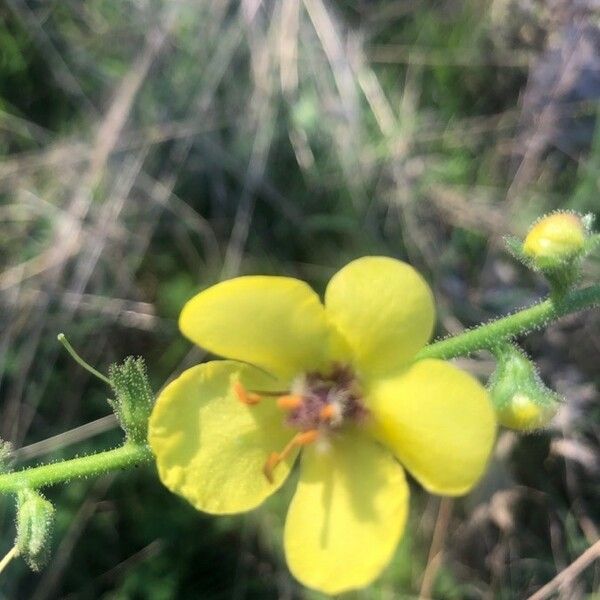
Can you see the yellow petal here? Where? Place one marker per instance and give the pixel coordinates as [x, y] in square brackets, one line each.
[439, 422]
[209, 447]
[277, 323]
[347, 515]
[384, 309]
[555, 238]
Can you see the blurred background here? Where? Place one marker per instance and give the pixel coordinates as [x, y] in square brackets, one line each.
[151, 148]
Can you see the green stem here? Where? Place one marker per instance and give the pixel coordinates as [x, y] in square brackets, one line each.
[485, 337]
[128, 455]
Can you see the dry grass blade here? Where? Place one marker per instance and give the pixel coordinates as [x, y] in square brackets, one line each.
[62, 440]
[436, 549]
[568, 574]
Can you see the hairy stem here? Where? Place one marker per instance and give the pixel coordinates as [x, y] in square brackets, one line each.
[485, 337]
[127, 456]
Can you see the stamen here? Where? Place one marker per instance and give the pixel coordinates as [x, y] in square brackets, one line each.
[328, 412]
[300, 439]
[289, 401]
[271, 393]
[244, 396]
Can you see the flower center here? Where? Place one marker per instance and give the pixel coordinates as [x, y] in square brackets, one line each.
[324, 401]
[317, 405]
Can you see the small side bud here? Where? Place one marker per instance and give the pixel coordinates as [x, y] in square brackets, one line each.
[133, 397]
[555, 240]
[520, 398]
[35, 521]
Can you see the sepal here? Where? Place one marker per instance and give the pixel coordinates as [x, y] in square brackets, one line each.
[133, 397]
[35, 522]
[521, 399]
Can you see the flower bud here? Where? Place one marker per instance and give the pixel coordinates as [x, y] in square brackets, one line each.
[35, 519]
[554, 240]
[133, 397]
[521, 399]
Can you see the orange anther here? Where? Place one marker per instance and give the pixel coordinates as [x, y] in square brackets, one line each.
[327, 412]
[244, 395]
[289, 401]
[273, 460]
[300, 439]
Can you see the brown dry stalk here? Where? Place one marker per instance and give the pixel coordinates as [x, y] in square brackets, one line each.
[569, 573]
[436, 550]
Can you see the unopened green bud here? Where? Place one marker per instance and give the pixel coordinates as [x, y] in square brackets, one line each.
[133, 397]
[555, 240]
[521, 399]
[35, 520]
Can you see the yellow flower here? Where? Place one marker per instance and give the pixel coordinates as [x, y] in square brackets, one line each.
[339, 381]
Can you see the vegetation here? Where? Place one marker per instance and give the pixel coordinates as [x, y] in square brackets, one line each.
[153, 148]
